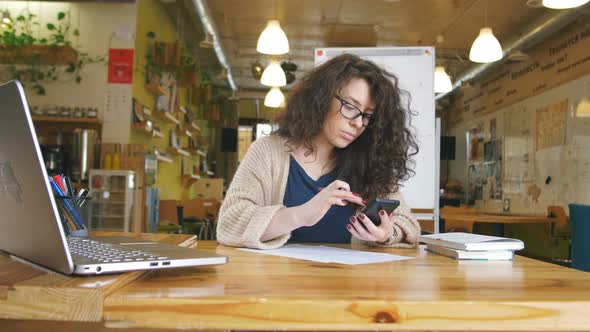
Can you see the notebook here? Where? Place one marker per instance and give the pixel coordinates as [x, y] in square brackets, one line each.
[30, 226]
[486, 255]
[469, 242]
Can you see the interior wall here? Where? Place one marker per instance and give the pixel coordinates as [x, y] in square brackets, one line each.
[151, 17]
[97, 22]
[567, 164]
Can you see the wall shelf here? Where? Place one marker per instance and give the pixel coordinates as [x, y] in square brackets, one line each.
[146, 111]
[40, 118]
[157, 134]
[157, 90]
[195, 127]
[142, 128]
[190, 179]
[184, 132]
[178, 151]
[164, 159]
[167, 116]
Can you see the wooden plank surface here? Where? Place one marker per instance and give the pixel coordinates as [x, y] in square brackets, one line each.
[430, 292]
[30, 292]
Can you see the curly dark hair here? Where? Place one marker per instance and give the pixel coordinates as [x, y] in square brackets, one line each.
[380, 159]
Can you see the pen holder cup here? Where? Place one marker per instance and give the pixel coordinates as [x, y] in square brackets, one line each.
[70, 214]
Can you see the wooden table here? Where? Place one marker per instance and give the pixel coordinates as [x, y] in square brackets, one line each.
[430, 292]
[30, 292]
[262, 292]
[467, 217]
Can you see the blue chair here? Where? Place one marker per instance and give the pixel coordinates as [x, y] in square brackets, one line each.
[580, 226]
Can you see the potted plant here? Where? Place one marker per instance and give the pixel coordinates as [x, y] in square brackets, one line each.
[37, 60]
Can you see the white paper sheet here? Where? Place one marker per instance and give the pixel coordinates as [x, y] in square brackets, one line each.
[325, 254]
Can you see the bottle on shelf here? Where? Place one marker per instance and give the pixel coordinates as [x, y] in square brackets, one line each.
[108, 163]
[116, 162]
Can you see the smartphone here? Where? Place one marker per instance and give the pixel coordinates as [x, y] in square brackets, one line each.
[373, 208]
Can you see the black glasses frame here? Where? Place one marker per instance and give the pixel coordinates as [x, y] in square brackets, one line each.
[360, 113]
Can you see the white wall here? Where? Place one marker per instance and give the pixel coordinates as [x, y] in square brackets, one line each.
[568, 165]
[96, 22]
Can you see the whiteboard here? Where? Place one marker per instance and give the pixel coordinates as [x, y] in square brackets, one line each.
[414, 67]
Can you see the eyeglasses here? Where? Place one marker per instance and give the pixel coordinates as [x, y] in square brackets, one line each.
[352, 112]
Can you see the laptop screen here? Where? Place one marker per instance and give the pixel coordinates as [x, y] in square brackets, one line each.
[30, 227]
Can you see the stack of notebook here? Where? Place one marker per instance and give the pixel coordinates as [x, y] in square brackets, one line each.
[472, 246]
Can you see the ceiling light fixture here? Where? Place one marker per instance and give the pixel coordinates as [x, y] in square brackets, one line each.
[486, 48]
[274, 98]
[442, 81]
[273, 39]
[273, 75]
[564, 4]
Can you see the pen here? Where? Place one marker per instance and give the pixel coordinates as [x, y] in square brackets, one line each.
[59, 183]
[71, 210]
[69, 186]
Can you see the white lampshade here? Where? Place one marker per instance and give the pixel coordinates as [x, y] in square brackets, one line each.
[274, 98]
[273, 39]
[485, 48]
[273, 75]
[442, 81]
[564, 4]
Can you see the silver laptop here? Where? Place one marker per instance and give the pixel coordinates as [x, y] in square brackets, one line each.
[30, 226]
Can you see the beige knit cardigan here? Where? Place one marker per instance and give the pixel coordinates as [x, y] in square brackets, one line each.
[256, 194]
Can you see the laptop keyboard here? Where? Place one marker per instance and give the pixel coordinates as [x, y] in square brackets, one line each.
[91, 251]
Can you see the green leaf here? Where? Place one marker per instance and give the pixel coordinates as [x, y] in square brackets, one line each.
[76, 32]
[20, 18]
[39, 89]
[43, 40]
[61, 16]
[71, 68]
[78, 79]
[151, 34]
[50, 26]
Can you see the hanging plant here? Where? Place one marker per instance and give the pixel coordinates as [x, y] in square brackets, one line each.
[36, 61]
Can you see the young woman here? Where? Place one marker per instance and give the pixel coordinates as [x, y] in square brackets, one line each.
[342, 142]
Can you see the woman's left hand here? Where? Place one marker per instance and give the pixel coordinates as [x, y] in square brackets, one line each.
[362, 227]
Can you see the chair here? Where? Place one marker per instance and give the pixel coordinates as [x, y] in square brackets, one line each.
[449, 224]
[580, 225]
[168, 222]
[201, 215]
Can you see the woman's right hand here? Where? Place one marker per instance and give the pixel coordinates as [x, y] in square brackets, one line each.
[336, 193]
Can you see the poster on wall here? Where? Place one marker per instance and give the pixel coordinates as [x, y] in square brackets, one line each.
[120, 66]
[551, 121]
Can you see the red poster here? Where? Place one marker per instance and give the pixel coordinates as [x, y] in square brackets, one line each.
[120, 65]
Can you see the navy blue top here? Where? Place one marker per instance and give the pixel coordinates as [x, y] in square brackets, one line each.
[300, 189]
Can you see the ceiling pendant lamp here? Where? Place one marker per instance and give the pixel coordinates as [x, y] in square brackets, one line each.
[564, 4]
[273, 75]
[442, 81]
[273, 39]
[274, 98]
[485, 48]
